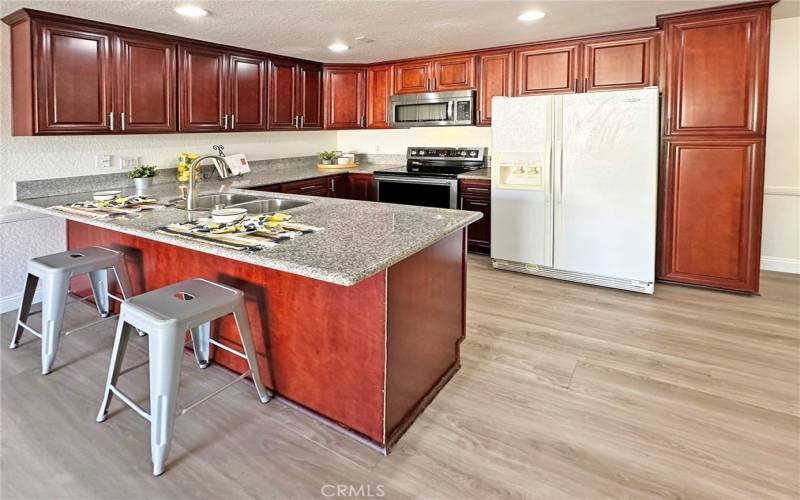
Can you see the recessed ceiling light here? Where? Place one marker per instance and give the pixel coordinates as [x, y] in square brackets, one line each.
[339, 47]
[191, 11]
[531, 15]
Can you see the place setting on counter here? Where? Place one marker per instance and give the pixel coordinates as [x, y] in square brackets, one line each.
[234, 228]
[111, 203]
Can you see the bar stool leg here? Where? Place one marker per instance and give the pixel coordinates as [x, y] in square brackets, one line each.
[99, 282]
[201, 345]
[243, 324]
[53, 304]
[115, 366]
[24, 308]
[166, 350]
[124, 282]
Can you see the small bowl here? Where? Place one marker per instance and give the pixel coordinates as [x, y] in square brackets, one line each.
[105, 195]
[226, 215]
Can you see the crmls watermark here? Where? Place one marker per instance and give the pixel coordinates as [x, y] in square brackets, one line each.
[353, 490]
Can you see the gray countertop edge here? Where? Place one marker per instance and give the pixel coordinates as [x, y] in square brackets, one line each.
[343, 279]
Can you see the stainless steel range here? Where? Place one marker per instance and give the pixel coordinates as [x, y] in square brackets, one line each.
[430, 177]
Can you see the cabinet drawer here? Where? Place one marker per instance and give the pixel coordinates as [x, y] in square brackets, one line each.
[477, 189]
[271, 188]
[304, 187]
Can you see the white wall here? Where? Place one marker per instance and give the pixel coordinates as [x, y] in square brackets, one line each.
[23, 158]
[395, 141]
[781, 223]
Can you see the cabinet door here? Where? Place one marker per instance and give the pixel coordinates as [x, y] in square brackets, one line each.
[360, 187]
[411, 77]
[202, 89]
[338, 186]
[479, 232]
[145, 85]
[282, 95]
[495, 78]
[710, 228]
[247, 93]
[547, 70]
[454, 73]
[619, 63]
[309, 96]
[380, 83]
[74, 80]
[716, 74]
[345, 97]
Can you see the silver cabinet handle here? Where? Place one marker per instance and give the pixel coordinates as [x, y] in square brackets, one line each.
[434, 83]
[302, 121]
[111, 121]
[225, 122]
[233, 122]
[122, 121]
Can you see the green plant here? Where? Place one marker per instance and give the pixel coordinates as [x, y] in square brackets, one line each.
[328, 155]
[143, 171]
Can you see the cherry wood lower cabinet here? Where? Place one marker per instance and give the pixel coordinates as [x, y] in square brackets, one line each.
[711, 201]
[475, 195]
[331, 186]
[360, 187]
[368, 357]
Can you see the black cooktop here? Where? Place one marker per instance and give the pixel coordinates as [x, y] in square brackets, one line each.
[439, 162]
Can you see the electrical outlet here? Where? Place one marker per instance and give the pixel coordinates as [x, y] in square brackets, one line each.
[129, 162]
[102, 161]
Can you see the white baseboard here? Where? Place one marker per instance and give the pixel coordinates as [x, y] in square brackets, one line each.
[11, 302]
[781, 264]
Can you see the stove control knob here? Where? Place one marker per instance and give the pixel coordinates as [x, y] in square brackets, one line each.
[473, 154]
[463, 153]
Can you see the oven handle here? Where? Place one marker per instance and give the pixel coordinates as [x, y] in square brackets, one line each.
[417, 180]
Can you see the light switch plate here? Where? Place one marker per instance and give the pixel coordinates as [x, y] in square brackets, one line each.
[102, 161]
[129, 162]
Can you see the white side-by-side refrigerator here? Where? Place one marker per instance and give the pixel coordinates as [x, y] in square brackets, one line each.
[574, 186]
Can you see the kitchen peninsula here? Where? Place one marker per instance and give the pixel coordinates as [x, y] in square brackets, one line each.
[359, 323]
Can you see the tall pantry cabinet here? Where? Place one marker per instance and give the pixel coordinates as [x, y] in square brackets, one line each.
[712, 161]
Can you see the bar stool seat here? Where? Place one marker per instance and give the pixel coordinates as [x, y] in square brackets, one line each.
[55, 271]
[166, 315]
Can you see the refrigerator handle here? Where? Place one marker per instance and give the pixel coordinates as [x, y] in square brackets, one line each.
[558, 189]
[549, 156]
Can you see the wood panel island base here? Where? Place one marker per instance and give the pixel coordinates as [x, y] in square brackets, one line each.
[368, 357]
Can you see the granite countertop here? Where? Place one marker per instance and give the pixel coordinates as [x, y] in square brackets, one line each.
[360, 238]
[484, 174]
[265, 177]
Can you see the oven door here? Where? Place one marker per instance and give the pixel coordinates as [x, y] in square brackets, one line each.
[420, 191]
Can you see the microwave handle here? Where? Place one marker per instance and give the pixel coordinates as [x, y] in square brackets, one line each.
[450, 110]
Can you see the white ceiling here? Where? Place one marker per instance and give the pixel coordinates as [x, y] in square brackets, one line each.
[399, 28]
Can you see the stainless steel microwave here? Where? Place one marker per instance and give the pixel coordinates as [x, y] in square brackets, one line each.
[432, 109]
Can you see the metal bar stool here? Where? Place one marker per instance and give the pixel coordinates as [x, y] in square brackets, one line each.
[55, 272]
[166, 315]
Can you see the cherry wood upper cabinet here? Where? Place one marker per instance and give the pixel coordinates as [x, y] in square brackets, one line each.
[547, 69]
[453, 73]
[74, 87]
[380, 83]
[412, 77]
[345, 99]
[711, 201]
[620, 63]
[201, 88]
[282, 95]
[145, 84]
[247, 92]
[309, 96]
[495, 78]
[716, 73]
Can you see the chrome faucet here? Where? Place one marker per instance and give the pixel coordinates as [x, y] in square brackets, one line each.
[219, 164]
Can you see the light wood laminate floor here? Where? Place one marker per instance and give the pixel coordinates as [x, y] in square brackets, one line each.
[566, 391]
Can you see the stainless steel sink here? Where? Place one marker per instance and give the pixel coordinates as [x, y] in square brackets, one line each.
[253, 204]
[265, 205]
[212, 201]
